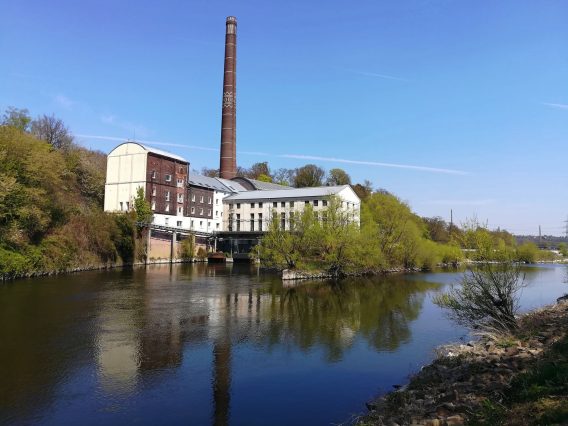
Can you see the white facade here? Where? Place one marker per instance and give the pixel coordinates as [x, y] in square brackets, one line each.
[252, 211]
[126, 172]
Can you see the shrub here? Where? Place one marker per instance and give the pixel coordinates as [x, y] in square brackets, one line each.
[201, 253]
[187, 248]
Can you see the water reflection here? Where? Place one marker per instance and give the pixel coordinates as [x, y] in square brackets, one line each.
[109, 339]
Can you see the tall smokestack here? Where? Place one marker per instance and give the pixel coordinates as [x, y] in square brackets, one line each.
[228, 160]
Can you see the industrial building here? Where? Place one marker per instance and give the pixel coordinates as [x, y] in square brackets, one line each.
[229, 212]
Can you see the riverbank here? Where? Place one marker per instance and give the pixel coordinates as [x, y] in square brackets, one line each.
[509, 380]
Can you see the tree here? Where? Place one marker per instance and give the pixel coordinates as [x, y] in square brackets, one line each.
[259, 169]
[438, 229]
[210, 172]
[563, 249]
[264, 178]
[283, 176]
[142, 207]
[53, 131]
[363, 190]
[338, 177]
[18, 118]
[308, 175]
[488, 298]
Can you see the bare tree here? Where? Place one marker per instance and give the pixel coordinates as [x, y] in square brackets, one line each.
[488, 298]
[210, 172]
[53, 131]
[16, 117]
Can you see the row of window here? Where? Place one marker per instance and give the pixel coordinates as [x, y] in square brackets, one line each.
[284, 204]
[179, 224]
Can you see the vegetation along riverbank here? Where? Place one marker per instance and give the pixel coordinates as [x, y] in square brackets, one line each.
[515, 374]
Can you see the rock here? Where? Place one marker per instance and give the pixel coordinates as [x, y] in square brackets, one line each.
[455, 420]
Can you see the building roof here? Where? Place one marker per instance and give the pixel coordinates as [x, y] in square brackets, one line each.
[254, 184]
[232, 185]
[160, 152]
[318, 191]
[207, 182]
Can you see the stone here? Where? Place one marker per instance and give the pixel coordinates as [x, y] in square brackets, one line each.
[455, 420]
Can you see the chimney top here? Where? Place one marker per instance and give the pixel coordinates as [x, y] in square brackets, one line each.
[231, 20]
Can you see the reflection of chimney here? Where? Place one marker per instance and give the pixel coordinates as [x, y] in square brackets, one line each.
[228, 160]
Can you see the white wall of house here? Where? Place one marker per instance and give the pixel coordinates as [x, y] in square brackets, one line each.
[255, 214]
[126, 172]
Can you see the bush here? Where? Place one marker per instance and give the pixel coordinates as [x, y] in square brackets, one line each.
[187, 248]
[201, 253]
[488, 297]
[527, 253]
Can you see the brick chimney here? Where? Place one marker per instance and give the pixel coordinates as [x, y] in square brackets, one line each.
[228, 160]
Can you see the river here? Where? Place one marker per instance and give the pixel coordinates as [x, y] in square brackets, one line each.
[199, 344]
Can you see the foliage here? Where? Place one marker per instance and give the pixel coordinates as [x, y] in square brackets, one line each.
[264, 178]
[563, 249]
[363, 190]
[309, 175]
[187, 248]
[53, 131]
[17, 118]
[527, 253]
[51, 199]
[142, 207]
[488, 297]
[201, 253]
[338, 177]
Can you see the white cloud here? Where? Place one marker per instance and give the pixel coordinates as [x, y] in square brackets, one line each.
[63, 101]
[377, 75]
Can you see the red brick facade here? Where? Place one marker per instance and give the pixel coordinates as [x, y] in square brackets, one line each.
[166, 181]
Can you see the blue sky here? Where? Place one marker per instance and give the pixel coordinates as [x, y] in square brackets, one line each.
[473, 93]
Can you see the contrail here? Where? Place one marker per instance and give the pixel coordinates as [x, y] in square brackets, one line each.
[296, 156]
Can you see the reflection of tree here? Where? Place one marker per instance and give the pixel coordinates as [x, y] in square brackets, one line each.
[331, 314]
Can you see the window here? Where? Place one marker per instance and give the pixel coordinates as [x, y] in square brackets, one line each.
[208, 224]
[178, 223]
[167, 208]
[209, 200]
[283, 220]
[217, 226]
[180, 210]
[127, 205]
[201, 211]
[201, 199]
[307, 203]
[167, 195]
[274, 204]
[121, 206]
[283, 204]
[230, 222]
[216, 213]
[167, 221]
[324, 203]
[291, 204]
[168, 178]
[252, 221]
[260, 205]
[238, 205]
[181, 170]
[180, 183]
[209, 213]
[201, 224]
[153, 174]
[180, 198]
[217, 202]
[316, 203]
[238, 222]
[192, 210]
[252, 205]
[191, 225]
[153, 205]
[260, 221]
[193, 197]
[153, 191]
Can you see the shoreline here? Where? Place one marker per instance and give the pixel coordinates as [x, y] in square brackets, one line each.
[466, 381]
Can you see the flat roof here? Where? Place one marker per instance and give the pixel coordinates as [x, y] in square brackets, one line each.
[318, 191]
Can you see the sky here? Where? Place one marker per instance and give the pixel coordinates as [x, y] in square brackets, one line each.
[450, 105]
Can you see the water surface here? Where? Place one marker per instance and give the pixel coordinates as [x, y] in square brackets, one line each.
[197, 344]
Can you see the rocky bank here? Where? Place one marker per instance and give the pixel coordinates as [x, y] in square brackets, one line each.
[466, 378]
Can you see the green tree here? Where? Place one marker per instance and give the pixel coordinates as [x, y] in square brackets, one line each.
[264, 178]
[308, 175]
[563, 249]
[142, 207]
[363, 190]
[18, 118]
[338, 177]
[487, 299]
[259, 169]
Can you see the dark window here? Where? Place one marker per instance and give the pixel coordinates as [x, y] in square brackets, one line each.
[260, 205]
[252, 205]
[283, 220]
[252, 222]
[274, 204]
[324, 202]
[283, 204]
[238, 222]
[238, 205]
[316, 203]
[291, 204]
[260, 221]
[307, 203]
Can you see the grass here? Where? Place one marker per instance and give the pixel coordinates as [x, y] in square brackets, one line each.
[538, 397]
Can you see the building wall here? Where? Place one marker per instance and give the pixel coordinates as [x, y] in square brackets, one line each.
[246, 211]
[126, 172]
[166, 180]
